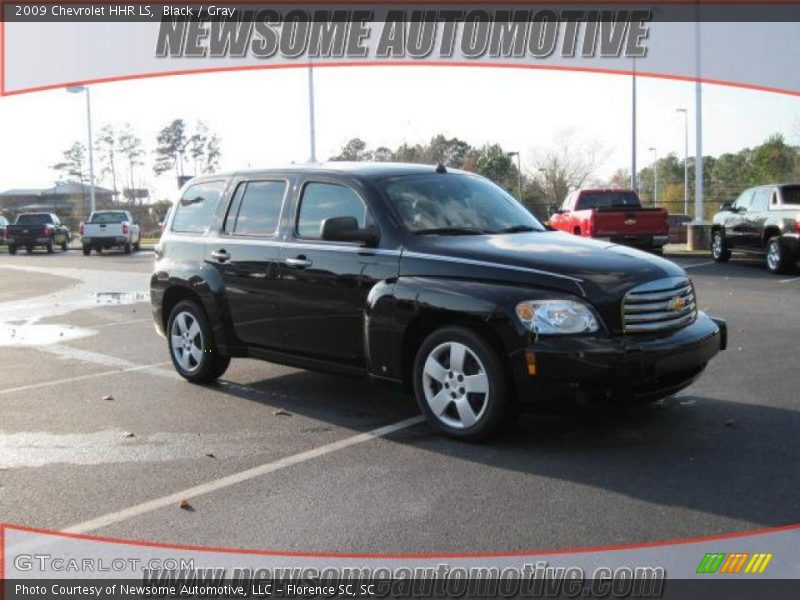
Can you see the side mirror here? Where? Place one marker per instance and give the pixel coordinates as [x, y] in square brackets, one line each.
[726, 207]
[346, 229]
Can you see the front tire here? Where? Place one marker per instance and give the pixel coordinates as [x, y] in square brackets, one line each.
[719, 247]
[50, 247]
[460, 384]
[127, 248]
[776, 256]
[191, 344]
[87, 250]
[65, 244]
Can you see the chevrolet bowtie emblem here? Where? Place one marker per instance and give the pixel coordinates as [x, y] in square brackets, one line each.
[677, 303]
[630, 221]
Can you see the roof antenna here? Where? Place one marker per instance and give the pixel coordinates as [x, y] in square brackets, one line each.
[440, 168]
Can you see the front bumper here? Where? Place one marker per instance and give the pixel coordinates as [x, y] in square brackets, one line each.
[641, 366]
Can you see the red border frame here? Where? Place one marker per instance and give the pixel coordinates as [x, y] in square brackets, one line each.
[256, 552]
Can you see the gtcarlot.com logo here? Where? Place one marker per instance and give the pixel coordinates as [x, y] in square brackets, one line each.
[741, 562]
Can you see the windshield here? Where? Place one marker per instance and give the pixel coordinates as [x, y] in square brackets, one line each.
[33, 220]
[109, 217]
[589, 200]
[453, 203]
[791, 194]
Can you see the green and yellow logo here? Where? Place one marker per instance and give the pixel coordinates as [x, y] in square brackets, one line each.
[741, 562]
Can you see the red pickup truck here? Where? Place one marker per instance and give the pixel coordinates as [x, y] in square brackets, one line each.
[612, 215]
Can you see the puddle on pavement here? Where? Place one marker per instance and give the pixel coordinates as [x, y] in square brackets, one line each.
[33, 334]
[39, 449]
[120, 297]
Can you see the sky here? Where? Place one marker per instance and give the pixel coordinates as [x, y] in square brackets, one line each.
[261, 116]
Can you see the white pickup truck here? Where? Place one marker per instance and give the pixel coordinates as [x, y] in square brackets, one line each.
[110, 229]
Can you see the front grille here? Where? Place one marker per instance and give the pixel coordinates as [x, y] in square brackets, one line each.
[659, 305]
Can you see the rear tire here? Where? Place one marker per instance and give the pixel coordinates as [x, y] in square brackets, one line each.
[65, 245]
[127, 248]
[29, 249]
[98, 249]
[719, 247]
[136, 247]
[87, 250]
[460, 385]
[776, 256]
[50, 247]
[191, 344]
[12, 250]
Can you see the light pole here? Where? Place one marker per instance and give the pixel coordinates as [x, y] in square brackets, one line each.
[77, 90]
[698, 120]
[655, 174]
[311, 123]
[634, 175]
[519, 173]
[685, 159]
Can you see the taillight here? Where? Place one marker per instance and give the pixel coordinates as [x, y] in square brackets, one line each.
[81, 228]
[47, 231]
[125, 228]
[797, 225]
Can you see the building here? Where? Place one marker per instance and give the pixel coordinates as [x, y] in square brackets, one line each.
[67, 199]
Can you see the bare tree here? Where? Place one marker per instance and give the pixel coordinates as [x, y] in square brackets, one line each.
[568, 165]
[130, 147]
[106, 147]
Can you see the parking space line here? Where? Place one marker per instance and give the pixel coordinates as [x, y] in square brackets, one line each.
[224, 482]
[115, 323]
[702, 264]
[790, 280]
[155, 367]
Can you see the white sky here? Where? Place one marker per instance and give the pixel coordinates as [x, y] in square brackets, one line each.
[262, 118]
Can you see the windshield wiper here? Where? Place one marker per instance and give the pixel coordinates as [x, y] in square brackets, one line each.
[450, 231]
[517, 229]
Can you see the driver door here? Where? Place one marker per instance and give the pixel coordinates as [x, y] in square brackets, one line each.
[736, 220]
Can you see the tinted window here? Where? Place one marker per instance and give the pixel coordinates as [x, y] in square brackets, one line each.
[34, 219]
[109, 217]
[453, 201]
[588, 200]
[196, 208]
[744, 200]
[256, 208]
[791, 194]
[761, 199]
[325, 200]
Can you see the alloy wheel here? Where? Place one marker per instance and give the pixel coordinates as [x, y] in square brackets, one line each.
[187, 341]
[456, 385]
[773, 256]
[716, 246]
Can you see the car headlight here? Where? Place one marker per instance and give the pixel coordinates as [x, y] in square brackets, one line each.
[557, 317]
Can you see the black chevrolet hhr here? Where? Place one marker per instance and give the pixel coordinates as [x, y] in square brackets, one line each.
[430, 277]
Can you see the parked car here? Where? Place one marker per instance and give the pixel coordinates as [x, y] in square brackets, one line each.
[31, 230]
[429, 277]
[3, 227]
[612, 215]
[108, 229]
[763, 221]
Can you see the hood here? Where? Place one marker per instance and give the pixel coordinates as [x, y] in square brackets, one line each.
[599, 271]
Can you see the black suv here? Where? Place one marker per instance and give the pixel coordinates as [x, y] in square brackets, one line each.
[764, 220]
[430, 277]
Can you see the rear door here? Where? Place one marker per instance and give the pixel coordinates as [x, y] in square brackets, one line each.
[246, 251]
[325, 284]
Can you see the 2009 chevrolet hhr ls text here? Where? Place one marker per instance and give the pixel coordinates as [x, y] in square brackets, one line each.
[427, 276]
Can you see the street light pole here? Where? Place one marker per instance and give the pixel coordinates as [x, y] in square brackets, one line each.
[685, 159]
[634, 177]
[311, 121]
[698, 117]
[77, 90]
[519, 173]
[655, 174]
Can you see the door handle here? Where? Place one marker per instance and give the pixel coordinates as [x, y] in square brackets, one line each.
[220, 255]
[301, 262]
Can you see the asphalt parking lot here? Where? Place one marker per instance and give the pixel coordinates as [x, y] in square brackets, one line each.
[284, 459]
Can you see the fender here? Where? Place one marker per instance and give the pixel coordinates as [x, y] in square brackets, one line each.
[416, 305]
[180, 279]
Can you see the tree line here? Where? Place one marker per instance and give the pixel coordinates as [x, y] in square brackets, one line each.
[570, 164]
[120, 157]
